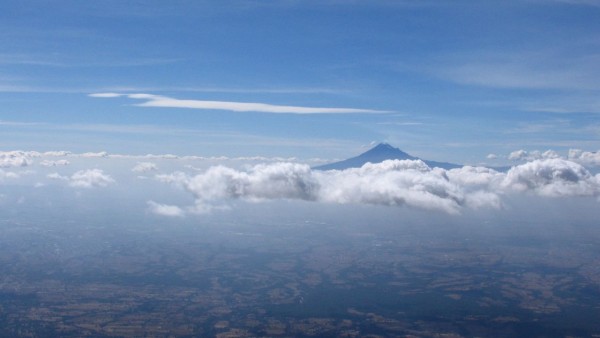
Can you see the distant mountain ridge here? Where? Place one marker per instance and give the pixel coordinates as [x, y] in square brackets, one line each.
[380, 153]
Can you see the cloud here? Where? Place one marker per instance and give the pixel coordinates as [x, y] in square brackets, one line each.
[492, 156]
[219, 184]
[57, 176]
[90, 178]
[18, 158]
[261, 182]
[591, 158]
[15, 159]
[48, 163]
[59, 153]
[91, 154]
[469, 176]
[523, 155]
[7, 175]
[553, 178]
[391, 183]
[586, 158]
[518, 155]
[165, 210]
[143, 167]
[151, 100]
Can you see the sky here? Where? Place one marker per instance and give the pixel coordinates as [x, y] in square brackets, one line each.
[187, 108]
[443, 80]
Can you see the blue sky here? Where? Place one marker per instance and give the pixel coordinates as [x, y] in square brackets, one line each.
[444, 80]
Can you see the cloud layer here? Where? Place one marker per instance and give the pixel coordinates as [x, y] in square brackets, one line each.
[390, 183]
[394, 183]
[165, 210]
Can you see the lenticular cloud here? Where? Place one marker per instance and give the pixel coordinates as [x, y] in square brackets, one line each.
[392, 183]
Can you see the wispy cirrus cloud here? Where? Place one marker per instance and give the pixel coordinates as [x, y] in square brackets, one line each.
[546, 68]
[525, 75]
[151, 100]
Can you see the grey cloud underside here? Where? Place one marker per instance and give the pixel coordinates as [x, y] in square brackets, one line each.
[393, 183]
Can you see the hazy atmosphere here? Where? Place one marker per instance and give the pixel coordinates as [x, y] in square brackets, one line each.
[299, 168]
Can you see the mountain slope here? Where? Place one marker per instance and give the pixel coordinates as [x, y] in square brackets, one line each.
[380, 153]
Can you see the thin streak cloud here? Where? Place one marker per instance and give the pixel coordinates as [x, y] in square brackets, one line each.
[151, 100]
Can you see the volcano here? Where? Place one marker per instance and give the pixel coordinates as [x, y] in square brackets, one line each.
[380, 153]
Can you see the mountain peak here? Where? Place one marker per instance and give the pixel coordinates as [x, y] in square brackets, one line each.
[379, 153]
[384, 151]
[383, 145]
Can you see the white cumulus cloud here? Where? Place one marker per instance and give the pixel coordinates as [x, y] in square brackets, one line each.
[90, 178]
[591, 158]
[523, 155]
[553, 178]
[57, 153]
[92, 154]
[476, 177]
[15, 159]
[165, 210]
[263, 181]
[392, 183]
